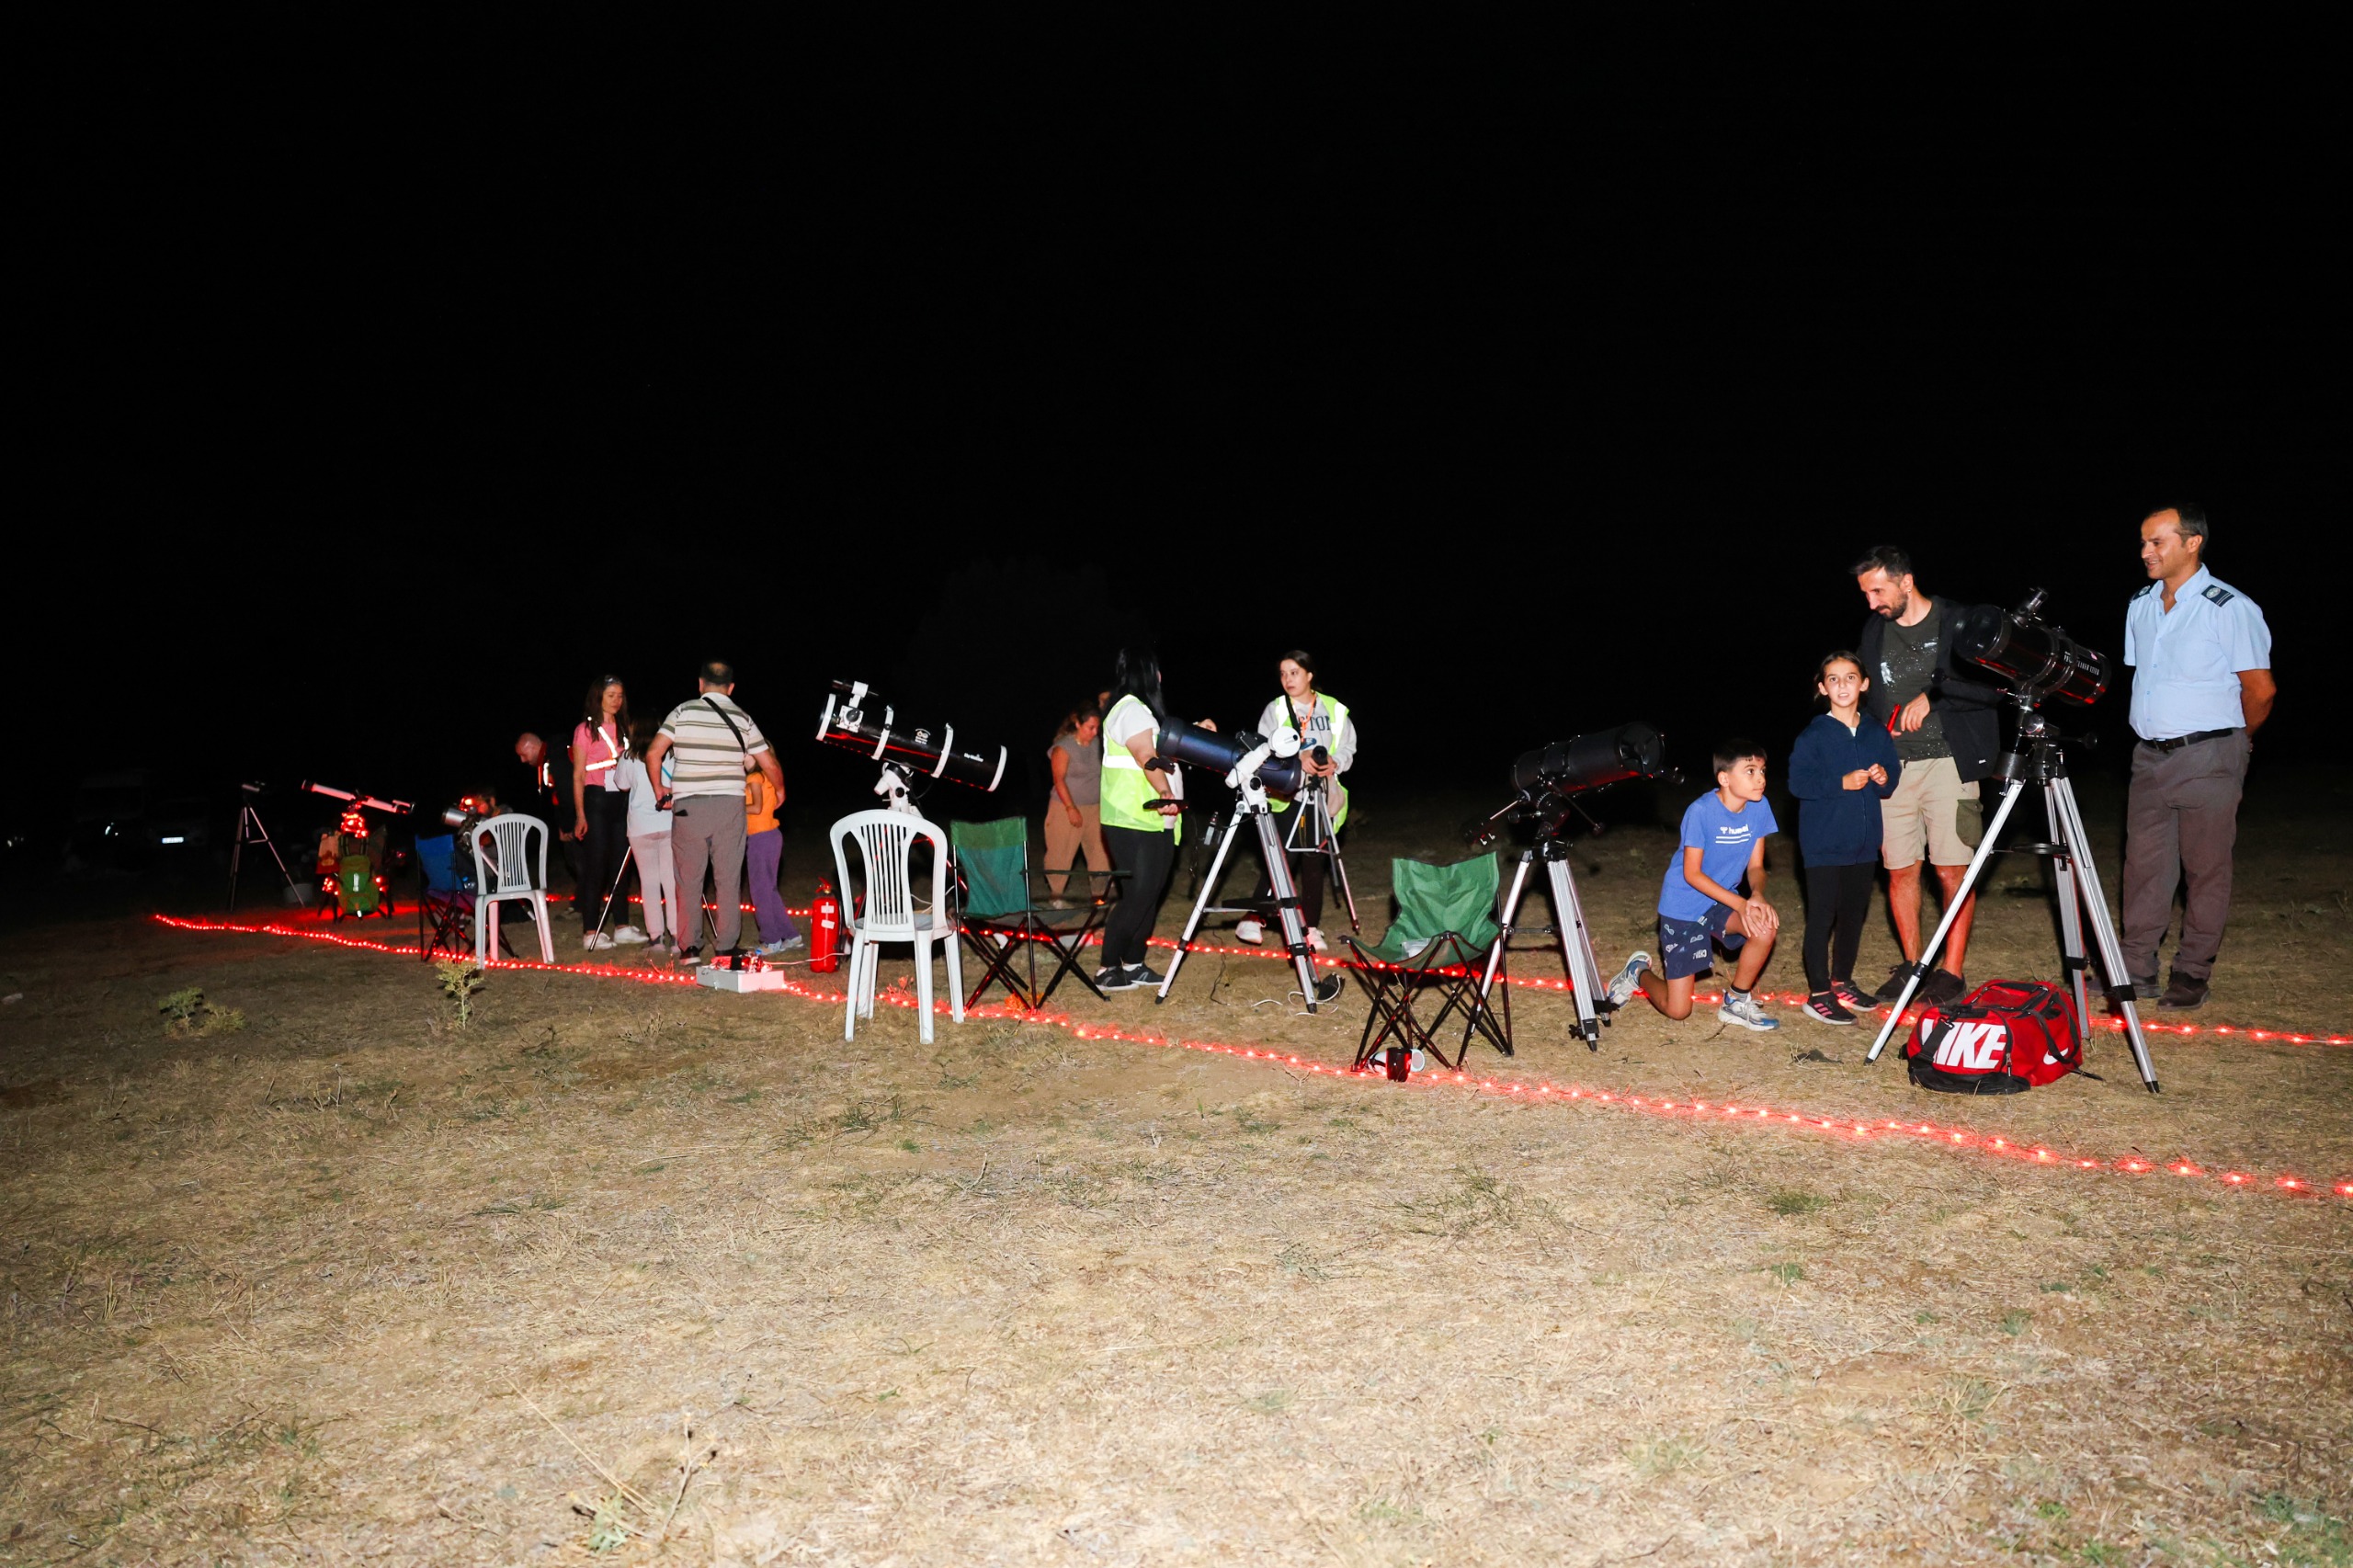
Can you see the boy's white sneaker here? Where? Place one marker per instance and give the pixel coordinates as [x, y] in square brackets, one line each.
[1744, 1012]
[596, 941]
[1628, 980]
[1251, 931]
[1315, 938]
[629, 935]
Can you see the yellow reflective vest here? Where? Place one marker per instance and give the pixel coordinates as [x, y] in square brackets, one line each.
[1127, 794]
[1336, 792]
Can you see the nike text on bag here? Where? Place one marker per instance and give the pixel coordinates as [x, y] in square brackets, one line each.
[2006, 1037]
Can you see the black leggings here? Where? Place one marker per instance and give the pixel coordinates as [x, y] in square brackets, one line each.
[1840, 897]
[1147, 857]
[601, 854]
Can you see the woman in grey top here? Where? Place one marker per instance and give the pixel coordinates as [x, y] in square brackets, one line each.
[1074, 814]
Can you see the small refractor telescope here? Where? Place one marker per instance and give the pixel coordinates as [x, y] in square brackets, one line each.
[353, 801]
[855, 720]
[1220, 754]
[2038, 660]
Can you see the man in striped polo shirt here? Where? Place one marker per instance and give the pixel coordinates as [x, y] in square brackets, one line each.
[714, 744]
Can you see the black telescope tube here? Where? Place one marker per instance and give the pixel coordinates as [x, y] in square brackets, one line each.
[2035, 660]
[1591, 762]
[1219, 753]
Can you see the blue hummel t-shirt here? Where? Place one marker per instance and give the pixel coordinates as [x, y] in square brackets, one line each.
[1725, 840]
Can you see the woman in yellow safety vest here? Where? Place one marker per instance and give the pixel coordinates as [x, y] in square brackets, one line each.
[1141, 804]
[1321, 720]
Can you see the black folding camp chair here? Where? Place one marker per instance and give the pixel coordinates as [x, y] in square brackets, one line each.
[1426, 970]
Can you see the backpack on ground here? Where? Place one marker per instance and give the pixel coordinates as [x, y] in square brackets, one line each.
[2005, 1038]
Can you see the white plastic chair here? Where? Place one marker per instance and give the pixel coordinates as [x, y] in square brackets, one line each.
[512, 878]
[886, 842]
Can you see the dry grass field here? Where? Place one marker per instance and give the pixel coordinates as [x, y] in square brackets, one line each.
[646, 1273]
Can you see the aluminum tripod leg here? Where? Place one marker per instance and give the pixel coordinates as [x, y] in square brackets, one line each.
[1302, 957]
[1503, 931]
[1576, 944]
[1315, 819]
[2071, 909]
[614, 892]
[1193, 921]
[1953, 905]
[1576, 952]
[2111, 951]
[1328, 844]
[251, 831]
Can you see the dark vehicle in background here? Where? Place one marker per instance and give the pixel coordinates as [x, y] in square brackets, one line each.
[123, 822]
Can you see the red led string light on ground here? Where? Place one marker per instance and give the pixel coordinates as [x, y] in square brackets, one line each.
[1697, 1110]
[1789, 999]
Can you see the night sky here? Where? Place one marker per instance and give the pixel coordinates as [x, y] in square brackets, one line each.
[1534, 385]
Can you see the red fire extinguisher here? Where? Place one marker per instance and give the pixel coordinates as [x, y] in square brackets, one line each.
[825, 930]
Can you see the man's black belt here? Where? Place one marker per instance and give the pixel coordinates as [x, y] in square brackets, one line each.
[2180, 740]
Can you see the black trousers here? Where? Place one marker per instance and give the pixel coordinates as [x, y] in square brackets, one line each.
[1837, 901]
[1308, 869]
[1146, 857]
[601, 855]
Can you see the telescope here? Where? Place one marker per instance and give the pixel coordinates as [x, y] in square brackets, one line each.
[1222, 755]
[1591, 762]
[1546, 781]
[855, 720]
[2038, 660]
[398, 808]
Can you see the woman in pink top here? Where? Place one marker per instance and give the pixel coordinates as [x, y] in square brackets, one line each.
[601, 809]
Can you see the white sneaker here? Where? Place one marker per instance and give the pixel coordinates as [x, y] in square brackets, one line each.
[1251, 931]
[771, 950]
[596, 941]
[1315, 938]
[1628, 979]
[1744, 1012]
[629, 935]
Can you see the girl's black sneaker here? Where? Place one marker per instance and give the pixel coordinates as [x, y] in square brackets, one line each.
[1854, 997]
[1824, 1007]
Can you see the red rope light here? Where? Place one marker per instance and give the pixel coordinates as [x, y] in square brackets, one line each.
[1790, 999]
[1739, 1115]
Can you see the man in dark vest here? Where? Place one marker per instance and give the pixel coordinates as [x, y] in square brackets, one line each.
[1947, 730]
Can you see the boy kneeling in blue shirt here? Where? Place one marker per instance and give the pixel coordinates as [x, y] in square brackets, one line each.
[1699, 905]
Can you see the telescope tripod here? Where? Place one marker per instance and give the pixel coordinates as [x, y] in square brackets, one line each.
[1313, 822]
[250, 831]
[2039, 760]
[1253, 808]
[1576, 938]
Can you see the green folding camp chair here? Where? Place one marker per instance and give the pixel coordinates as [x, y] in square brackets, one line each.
[1005, 923]
[1435, 948]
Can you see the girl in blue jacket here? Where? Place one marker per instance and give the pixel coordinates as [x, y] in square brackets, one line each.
[1840, 770]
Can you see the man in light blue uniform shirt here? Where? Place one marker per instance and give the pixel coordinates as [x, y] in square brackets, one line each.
[2201, 687]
